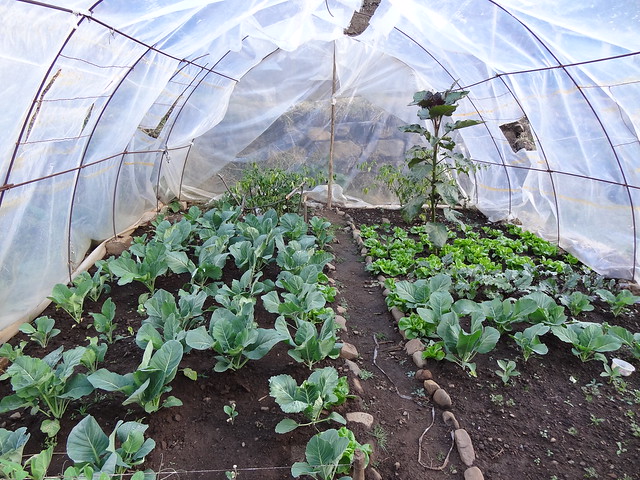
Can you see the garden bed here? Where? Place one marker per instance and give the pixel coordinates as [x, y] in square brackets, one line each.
[558, 418]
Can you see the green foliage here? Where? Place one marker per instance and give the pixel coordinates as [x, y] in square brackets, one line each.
[71, 298]
[235, 337]
[631, 340]
[544, 309]
[144, 262]
[577, 303]
[462, 347]
[149, 382]
[402, 182]
[168, 320]
[619, 302]
[94, 354]
[322, 230]
[103, 321]
[42, 332]
[319, 392]
[504, 313]
[529, 340]
[46, 385]
[309, 345]
[588, 340]
[507, 370]
[410, 295]
[323, 453]
[436, 164]
[231, 412]
[12, 466]
[348, 456]
[434, 350]
[125, 448]
[262, 187]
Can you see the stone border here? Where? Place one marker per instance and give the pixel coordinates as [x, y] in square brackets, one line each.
[414, 348]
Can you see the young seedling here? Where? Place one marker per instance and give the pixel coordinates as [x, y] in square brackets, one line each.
[507, 370]
[103, 322]
[42, 332]
[231, 412]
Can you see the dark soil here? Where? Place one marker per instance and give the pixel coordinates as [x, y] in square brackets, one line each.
[559, 418]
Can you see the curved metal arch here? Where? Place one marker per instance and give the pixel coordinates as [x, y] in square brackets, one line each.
[504, 163]
[166, 141]
[186, 159]
[596, 116]
[84, 154]
[38, 94]
[544, 156]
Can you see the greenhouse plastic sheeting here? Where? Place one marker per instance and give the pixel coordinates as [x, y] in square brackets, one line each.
[112, 106]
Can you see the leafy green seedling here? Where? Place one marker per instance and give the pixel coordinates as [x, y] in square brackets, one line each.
[619, 303]
[125, 448]
[577, 303]
[149, 263]
[631, 340]
[42, 332]
[146, 385]
[319, 392]
[12, 465]
[322, 230]
[309, 345]
[231, 412]
[461, 347]
[529, 340]
[588, 339]
[94, 354]
[71, 298]
[235, 337]
[46, 385]
[434, 350]
[507, 370]
[103, 321]
[329, 454]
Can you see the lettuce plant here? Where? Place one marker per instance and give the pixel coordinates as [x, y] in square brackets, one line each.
[47, 385]
[319, 392]
[149, 382]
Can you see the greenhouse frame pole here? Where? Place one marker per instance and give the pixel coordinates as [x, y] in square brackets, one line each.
[333, 129]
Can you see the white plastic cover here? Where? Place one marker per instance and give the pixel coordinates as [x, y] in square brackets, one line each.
[109, 106]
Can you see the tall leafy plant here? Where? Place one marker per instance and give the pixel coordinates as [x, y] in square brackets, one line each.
[436, 162]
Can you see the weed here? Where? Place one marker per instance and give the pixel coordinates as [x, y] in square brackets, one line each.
[595, 420]
[231, 412]
[365, 374]
[537, 461]
[621, 448]
[544, 433]
[591, 389]
[573, 431]
[381, 336]
[380, 435]
[497, 399]
[590, 472]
